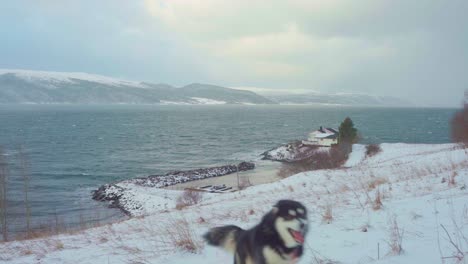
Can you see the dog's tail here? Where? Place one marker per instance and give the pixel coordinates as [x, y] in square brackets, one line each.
[224, 237]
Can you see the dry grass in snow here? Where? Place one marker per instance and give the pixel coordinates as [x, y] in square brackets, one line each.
[187, 198]
[403, 180]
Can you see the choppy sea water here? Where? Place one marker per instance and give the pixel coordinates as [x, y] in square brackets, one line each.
[73, 149]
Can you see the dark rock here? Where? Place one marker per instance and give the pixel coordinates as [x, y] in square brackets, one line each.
[291, 152]
[176, 177]
[244, 166]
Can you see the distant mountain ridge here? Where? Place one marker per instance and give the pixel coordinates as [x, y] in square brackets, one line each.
[46, 87]
[39, 87]
[340, 99]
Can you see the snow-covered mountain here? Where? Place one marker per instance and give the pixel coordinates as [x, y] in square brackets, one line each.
[46, 87]
[340, 99]
[40, 87]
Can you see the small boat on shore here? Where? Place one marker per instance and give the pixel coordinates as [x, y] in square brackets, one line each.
[213, 188]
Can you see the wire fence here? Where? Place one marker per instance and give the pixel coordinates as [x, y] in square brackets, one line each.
[22, 212]
[17, 226]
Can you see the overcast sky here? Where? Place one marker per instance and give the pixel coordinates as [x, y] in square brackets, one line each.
[416, 50]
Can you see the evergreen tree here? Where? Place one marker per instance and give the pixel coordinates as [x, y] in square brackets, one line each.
[347, 132]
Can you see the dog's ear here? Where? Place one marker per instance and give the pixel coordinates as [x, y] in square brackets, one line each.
[274, 210]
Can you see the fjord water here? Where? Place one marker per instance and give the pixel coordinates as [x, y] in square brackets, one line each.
[74, 149]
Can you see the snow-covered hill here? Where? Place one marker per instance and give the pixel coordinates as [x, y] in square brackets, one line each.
[422, 189]
[40, 87]
[52, 77]
[348, 99]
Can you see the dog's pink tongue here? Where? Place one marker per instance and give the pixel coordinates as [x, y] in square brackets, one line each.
[298, 236]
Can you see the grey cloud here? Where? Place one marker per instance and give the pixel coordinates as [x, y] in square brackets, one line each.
[417, 50]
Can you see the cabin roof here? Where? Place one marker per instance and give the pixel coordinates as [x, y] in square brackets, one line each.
[325, 133]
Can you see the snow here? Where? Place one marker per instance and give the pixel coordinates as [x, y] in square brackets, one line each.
[194, 101]
[413, 181]
[165, 102]
[68, 77]
[207, 101]
[281, 153]
[357, 155]
[323, 135]
[133, 194]
[143, 200]
[293, 151]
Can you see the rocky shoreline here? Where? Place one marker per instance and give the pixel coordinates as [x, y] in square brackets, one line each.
[291, 152]
[114, 192]
[125, 194]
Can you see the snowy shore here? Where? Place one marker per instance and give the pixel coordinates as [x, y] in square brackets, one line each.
[292, 152]
[422, 189]
[121, 194]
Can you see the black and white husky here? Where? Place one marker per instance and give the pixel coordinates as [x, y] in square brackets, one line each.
[278, 239]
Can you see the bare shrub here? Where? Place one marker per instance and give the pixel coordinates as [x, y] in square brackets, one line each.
[451, 181]
[373, 149]
[331, 159]
[458, 254]
[24, 168]
[377, 203]
[459, 126]
[180, 206]
[456, 237]
[395, 241]
[344, 188]
[327, 216]
[289, 169]
[103, 239]
[335, 159]
[375, 182]
[344, 148]
[303, 151]
[187, 198]
[26, 252]
[59, 245]
[55, 225]
[244, 183]
[48, 228]
[183, 237]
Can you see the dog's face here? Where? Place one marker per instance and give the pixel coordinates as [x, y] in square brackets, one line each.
[291, 222]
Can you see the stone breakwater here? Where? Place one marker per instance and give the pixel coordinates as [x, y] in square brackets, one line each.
[115, 193]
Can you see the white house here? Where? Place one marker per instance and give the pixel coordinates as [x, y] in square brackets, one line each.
[323, 137]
